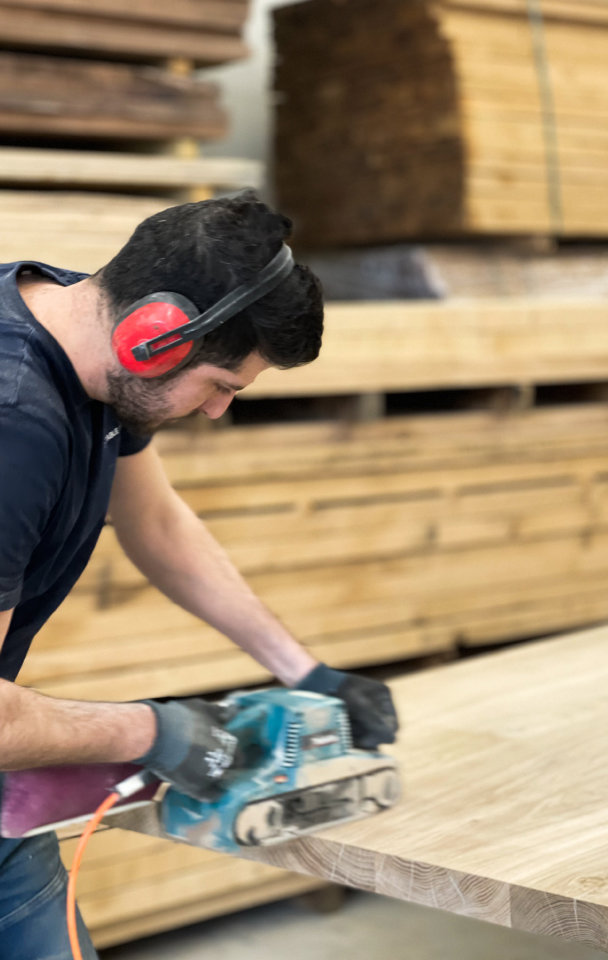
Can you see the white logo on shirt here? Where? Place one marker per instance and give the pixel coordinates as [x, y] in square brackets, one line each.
[110, 436]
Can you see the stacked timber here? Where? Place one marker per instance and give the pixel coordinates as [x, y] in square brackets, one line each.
[102, 116]
[379, 541]
[441, 118]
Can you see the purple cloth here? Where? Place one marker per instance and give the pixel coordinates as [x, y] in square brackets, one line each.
[50, 795]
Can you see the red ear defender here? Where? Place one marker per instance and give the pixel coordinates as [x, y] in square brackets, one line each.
[143, 337]
[148, 318]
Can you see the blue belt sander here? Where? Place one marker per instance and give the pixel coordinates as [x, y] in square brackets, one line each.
[298, 772]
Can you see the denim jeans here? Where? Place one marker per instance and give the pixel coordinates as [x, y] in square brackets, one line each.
[33, 884]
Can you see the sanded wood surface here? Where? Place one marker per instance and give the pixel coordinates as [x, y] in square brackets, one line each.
[503, 815]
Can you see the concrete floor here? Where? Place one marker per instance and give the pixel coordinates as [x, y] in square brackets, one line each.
[366, 927]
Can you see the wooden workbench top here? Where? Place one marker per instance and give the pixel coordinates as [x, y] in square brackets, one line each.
[504, 815]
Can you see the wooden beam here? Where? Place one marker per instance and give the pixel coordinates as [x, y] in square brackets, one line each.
[59, 96]
[503, 816]
[88, 168]
[222, 15]
[392, 346]
[64, 30]
[82, 231]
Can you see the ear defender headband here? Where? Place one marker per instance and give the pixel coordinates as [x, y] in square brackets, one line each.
[157, 333]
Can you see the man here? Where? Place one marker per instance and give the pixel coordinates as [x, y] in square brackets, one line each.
[79, 398]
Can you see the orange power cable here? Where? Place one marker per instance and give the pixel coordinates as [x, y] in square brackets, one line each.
[91, 826]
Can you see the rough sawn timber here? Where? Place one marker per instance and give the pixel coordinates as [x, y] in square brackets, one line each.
[503, 816]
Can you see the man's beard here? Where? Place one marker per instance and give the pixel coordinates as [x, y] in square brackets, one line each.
[139, 405]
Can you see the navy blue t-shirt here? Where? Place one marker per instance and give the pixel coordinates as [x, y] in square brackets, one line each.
[58, 451]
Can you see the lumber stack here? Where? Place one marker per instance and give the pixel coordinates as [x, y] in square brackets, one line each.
[102, 115]
[463, 118]
[379, 541]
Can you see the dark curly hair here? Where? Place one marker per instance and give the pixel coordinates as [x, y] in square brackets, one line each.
[204, 250]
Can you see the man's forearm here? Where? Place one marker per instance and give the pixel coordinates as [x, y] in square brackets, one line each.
[184, 560]
[36, 730]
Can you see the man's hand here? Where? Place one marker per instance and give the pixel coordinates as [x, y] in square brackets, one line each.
[369, 704]
[192, 748]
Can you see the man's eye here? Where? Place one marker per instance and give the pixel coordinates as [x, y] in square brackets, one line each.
[224, 389]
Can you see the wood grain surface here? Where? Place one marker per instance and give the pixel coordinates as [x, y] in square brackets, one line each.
[504, 815]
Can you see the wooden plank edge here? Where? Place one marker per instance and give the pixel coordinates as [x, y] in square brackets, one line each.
[480, 898]
[74, 167]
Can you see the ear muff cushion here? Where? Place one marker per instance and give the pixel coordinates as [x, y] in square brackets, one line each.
[144, 323]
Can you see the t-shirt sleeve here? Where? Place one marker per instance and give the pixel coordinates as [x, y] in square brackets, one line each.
[32, 473]
[131, 443]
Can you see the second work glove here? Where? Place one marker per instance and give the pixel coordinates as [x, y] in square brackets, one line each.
[369, 703]
[192, 749]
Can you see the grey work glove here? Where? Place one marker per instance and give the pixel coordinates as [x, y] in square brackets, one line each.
[192, 749]
[369, 703]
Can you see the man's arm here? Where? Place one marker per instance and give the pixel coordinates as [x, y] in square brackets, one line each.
[167, 541]
[36, 730]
